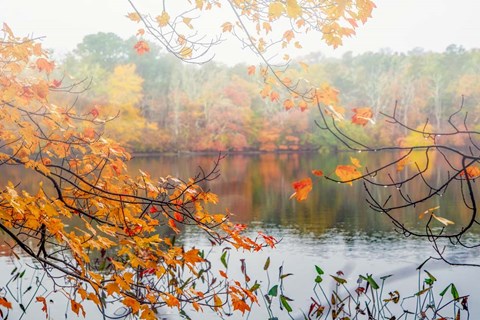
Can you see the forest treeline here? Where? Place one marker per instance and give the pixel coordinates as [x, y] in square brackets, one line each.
[164, 105]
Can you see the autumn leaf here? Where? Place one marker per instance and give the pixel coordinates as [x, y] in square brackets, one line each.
[135, 17]
[274, 96]
[275, 10]
[303, 105]
[56, 83]
[346, 173]
[288, 104]
[131, 303]
[355, 162]
[240, 305]
[3, 301]
[163, 19]
[44, 305]
[302, 188]
[318, 173]
[443, 221]
[293, 9]
[77, 307]
[217, 302]
[251, 70]
[188, 22]
[472, 172]
[227, 27]
[186, 52]
[44, 65]
[362, 116]
[141, 47]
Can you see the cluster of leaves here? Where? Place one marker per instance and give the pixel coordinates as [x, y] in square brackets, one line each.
[88, 205]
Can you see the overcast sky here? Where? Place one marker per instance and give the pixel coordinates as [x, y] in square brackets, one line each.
[397, 24]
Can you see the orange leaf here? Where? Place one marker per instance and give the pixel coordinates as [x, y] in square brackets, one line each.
[240, 304]
[227, 27]
[347, 173]
[362, 116]
[302, 188]
[303, 105]
[163, 19]
[251, 70]
[288, 104]
[223, 274]
[44, 307]
[44, 65]
[274, 96]
[178, 216]
[3, 301]
[141, 47]
[318, 173]
[217, 302]
[131, 303]
[77, 307]
[172, 225]
[472, 172]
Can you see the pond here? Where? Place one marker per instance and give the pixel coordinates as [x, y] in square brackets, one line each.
[334, 228]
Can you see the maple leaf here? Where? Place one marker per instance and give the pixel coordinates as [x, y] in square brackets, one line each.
[77, 307]
[56, 83]
[362, 116]
[173, 225]
[471, 172]
[227, 27]
[135, 17]
[288, 104]
[274, 96]
[303, 105]
[293, 9]
[131, 303]
[347, 173]
[44, 65]
[186, 52]
[302, 188]
[288, 35]
[44, 307]
[275, 10]
[318, 173]
[94, 112]
[3, 301]
[240, 304]
[141, 47]
[355, 162]
[163, 19]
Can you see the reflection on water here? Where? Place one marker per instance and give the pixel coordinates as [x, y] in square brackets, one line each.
[334, 228]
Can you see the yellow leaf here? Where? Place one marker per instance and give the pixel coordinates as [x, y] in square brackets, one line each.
[293, 9]
[355, 162]
[186, 52]
[134, 16]
[163, 19]
[444, 221]
[217, 302]
[188, 21]
[275, 10]
[227, 27]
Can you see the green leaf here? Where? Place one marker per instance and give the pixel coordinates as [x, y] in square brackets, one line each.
[370, 281]
[445, 290]
[267, 264]
[255, 287]
[431, 279]
[454, 292]
[273, 291]
[319, 270]
[285, 304]
[339, 280]
[223, 259]
[318, 279]
[283, 276]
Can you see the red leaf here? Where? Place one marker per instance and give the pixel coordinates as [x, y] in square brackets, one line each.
[141, 47]
[302, 188]
[318, 173]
